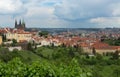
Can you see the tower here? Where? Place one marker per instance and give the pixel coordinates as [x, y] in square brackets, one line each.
[21, 25]
[15, 23]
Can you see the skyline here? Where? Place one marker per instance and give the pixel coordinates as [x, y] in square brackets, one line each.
[61, 13]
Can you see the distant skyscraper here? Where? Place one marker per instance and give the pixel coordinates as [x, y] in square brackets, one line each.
[21, 25]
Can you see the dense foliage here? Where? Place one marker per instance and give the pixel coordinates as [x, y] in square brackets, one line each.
[16, 68]
[50, 61]
[43, 33]
[114, 42]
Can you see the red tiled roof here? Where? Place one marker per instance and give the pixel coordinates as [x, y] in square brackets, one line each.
[83, 44]
[100, 45]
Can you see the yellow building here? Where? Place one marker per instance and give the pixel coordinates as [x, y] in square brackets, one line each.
[0, 40]
[19, 36]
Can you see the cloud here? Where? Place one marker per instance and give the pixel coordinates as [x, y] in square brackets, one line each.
[61, 13]
[11, 7]
[50, 3]
[115, 9]
[106, 21]
[86, 9]
[41, 12]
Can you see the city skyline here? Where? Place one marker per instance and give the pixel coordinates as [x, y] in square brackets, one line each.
[61, 13]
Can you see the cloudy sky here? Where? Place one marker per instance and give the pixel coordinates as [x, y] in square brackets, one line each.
[61, 13]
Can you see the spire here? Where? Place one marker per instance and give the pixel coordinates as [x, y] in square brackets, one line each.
[20, 22]
[23, 22]
[15, 23]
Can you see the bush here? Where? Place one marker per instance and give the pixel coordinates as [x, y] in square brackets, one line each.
[16, 68]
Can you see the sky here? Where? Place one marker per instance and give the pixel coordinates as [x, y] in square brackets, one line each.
[61, 13]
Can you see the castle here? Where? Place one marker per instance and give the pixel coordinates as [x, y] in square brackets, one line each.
[21, 25]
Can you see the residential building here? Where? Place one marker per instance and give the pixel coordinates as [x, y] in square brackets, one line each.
[1, 40]
[19, 36]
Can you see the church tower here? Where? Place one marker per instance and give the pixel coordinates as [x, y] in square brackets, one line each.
[21, 25]
[16, 24]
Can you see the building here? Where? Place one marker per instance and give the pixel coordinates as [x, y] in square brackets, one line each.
[13, 48]
[19, 35]
[104, 48]
[21, 25]
[0, 40]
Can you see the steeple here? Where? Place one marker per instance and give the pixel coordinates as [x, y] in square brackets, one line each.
[20, 22]
[15, 23]
[23, 24]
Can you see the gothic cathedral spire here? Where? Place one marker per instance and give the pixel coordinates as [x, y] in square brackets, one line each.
[15, 23]
[20, 22]
[21, 25]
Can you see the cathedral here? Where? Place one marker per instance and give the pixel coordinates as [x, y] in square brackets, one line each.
[21, 25]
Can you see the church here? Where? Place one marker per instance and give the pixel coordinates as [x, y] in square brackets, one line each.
[21, 25]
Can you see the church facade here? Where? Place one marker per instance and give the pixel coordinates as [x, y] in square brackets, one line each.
[20, 25]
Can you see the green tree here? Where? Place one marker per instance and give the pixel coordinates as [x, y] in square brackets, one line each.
[43, 33]
[3, 37]
[116, 55]
[87, 56]
[14, 42]
[29, 47]
[71, 52]
[94, 51]
[116, 72]
[99, 57]
[5, 55]
[16, 68]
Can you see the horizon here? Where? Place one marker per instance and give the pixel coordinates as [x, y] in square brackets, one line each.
[61, 13]
[65, 28]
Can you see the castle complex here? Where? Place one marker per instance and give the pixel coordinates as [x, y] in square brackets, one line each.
[21, 25]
